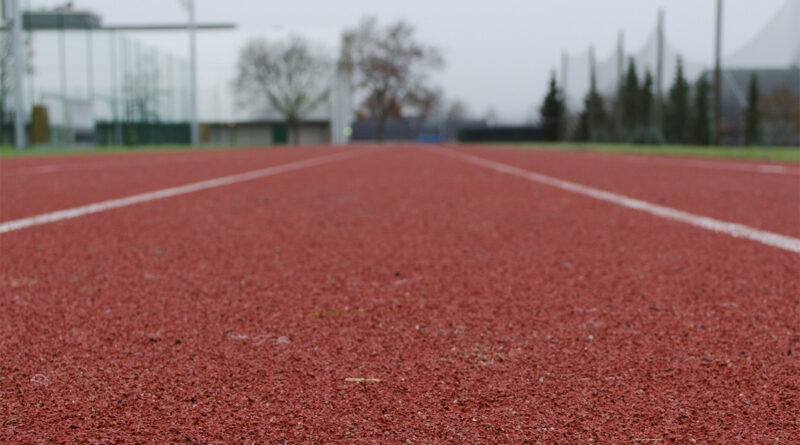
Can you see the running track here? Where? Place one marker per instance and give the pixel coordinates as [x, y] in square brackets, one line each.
[397, 294]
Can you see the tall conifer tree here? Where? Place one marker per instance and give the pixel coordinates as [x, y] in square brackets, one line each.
[552, 113]
[676, 111]
[752, 114]
[701, 123]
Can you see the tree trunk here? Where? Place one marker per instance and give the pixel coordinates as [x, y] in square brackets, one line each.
[381, 128]
[295, 128]
[2, 117]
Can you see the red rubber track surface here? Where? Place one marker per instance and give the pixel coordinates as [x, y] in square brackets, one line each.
[753, 198]
[491, 309]
[33, 185]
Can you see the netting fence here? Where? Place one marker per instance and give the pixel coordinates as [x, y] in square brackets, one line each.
[98, 87]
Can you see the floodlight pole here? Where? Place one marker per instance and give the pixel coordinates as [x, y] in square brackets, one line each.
[564, 67]
[620, 78]
[194, 127]
[717, 75]
[19, 68]
[592, 85]
[660, 76]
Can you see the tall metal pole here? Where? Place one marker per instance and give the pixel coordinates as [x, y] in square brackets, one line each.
[19, 69]
[90, 66]
[125, 77]
[717, 75]
[66, 125]
[29, 72]
[137, 86]
[116, 131]
[194, 127]
[171, 90]
[157, 91]
[152, 84]
[591, 112]
[620, 57]
[564, 68]
[185, 112]
[660, 74]
[620, 81]
[337, 108]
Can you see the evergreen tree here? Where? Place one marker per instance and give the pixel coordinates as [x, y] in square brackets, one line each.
[701, 124]
[646, 100]
[594, 118]
[752, 114]
[552, 113]
[582, 130]
[676, 111]
[645, 132]
[630, 101]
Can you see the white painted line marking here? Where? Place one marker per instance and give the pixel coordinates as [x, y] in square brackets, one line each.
[715, 225]
[44, 169]
[177, 158]
[73, 166]
[717, 165]
[778, 169]
[75, 212]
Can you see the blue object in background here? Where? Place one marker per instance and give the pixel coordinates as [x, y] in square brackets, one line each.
[430, 138]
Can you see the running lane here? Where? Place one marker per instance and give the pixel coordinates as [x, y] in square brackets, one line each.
[397, 296]
[38, 184]
[765, 195]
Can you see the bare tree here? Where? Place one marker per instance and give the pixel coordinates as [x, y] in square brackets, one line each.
[425, 102]
[457, 110]
[781, 115]
[391, 69]
[287, 76]
[490, 117]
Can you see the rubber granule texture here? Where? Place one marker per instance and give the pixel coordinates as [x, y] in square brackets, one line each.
[396, 297]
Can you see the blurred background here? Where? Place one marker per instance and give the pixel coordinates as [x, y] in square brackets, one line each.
[100, 73]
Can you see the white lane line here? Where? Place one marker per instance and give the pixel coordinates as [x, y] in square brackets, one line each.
[179, 158]
[75, 212]
[73, 166]
[733, 166]
[715, 225]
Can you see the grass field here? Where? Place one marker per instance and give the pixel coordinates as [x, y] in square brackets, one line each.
[791, 154]
[764, 153]
[9, 151]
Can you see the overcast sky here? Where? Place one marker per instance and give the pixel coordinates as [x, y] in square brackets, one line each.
[499, 53]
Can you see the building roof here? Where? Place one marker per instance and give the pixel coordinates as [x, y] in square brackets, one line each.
[256, 122]
[61, 18]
